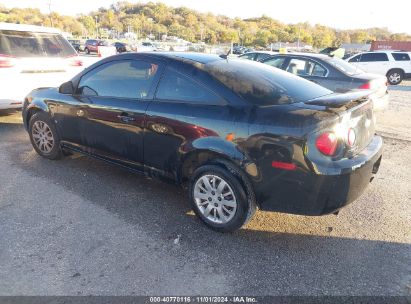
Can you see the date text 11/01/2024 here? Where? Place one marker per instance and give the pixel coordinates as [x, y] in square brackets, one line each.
[200, 299]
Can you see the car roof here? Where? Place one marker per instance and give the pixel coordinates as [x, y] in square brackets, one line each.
[27, 28]
[263, 52]
[184, 56]
[381, 51]
[312, 55]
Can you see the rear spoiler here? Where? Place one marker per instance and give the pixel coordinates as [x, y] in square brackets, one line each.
[337, 100]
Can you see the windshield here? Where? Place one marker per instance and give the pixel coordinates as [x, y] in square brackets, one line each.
[31, 44]
[263, 85]
[344, 66]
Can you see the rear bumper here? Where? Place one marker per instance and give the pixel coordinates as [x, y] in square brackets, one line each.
[334, 188]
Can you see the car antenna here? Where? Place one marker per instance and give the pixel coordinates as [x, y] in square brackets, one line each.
[226, 56]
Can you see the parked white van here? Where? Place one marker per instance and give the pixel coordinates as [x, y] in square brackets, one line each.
[32, 57]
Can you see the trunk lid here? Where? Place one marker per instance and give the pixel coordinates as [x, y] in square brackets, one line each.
[355, 111]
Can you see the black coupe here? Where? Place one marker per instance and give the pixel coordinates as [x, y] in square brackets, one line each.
[238, 134]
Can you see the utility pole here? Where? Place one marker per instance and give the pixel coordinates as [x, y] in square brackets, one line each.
[96, 18]
[51, 19]
[201, 32]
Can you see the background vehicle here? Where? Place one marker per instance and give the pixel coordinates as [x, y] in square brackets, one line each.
[395, 65]
[332, 73]
[100, 47]
[146, 46]
[121, 47]
[32, 57]
[76, 44]
[257, 55]
[240, 134]
[239, 50]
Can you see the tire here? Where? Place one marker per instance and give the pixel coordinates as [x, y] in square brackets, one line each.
[44, 137]
[212, 206]
[395, 76]
[87, 51]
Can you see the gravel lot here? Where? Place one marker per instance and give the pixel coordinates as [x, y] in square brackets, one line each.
[81, 227]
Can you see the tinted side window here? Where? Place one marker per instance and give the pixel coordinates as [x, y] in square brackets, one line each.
[370, 57]
[305, 67]
[261, 56]
[123, 79]
[276, 62]
[261, 84]
[401, 56]
[32, 44]
[318, 70]
[177, 87]
[297, 67]
[355, 59]
[249, 56]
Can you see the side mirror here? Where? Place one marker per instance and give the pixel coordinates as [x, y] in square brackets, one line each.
[67, 88]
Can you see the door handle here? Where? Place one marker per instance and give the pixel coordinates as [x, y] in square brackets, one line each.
[124, 117]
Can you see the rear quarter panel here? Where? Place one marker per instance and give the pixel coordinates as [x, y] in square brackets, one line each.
[279, 133]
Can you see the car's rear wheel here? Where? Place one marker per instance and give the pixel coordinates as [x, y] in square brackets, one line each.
[395, 76]
[87, 51]
[44, 137]
[219, 198]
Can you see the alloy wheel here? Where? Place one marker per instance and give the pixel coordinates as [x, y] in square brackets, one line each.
[42, 136]
[215, 199]
[395, 77]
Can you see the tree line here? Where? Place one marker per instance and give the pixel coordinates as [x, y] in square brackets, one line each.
[158, 19]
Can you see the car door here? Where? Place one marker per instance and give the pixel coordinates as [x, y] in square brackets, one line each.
[110, 114]
[402, 60]
[183, 112]
[360, 62]
[377, 63]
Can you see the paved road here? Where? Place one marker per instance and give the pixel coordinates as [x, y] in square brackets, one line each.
[80, 227]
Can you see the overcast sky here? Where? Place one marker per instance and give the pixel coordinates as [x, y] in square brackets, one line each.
[351, 14]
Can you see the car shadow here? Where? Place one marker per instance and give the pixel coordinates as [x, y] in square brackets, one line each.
[8, 112]
[258, 262]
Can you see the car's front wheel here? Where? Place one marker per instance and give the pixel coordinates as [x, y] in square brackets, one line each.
[44, 136]
[87, 51]
[395, 76]
[219, 198]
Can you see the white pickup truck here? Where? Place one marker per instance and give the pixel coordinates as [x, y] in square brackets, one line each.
[396, 65]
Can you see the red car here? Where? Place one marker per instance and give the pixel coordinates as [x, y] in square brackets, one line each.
[91, 45]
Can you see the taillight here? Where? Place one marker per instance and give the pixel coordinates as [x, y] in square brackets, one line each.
[75, 60]
[374, 84]
[327, 143]
[365, 86]
[351, 137]
[6, 61]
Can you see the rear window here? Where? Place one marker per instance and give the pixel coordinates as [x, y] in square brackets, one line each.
[401, 56]
[31, 44]
[261, 84]
[344, 66]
